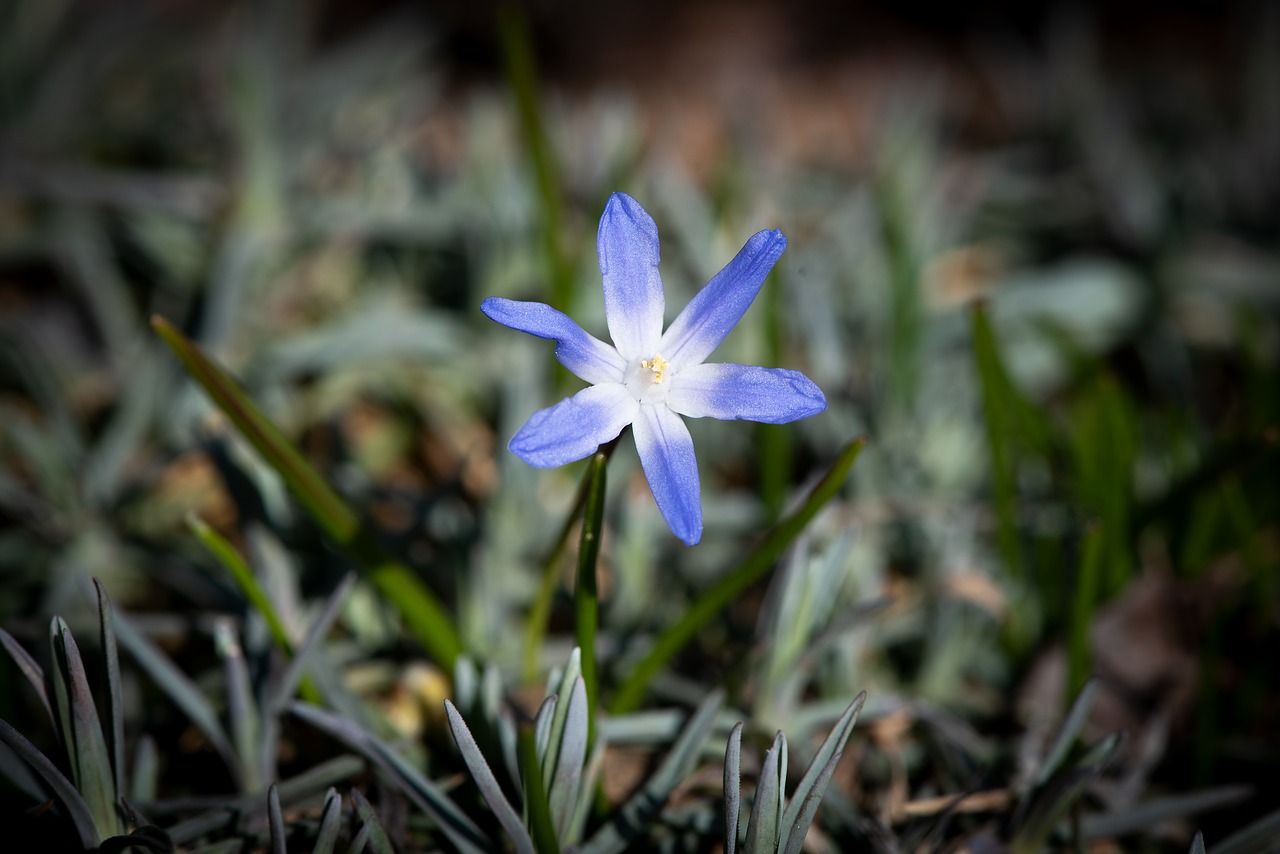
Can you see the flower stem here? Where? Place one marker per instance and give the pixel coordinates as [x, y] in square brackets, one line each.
[586, 598]
[540, 611]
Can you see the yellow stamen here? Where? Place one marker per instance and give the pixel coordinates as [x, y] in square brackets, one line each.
[655, 366]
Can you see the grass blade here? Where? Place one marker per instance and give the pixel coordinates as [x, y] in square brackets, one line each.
[454, 824]
[115, 708]
[330, 823]
[766, 811]
[275, 821]
[62, 788]
[549, 723]
[242, 710]
[535, 795]
[419, 607]
[372, 833]
[564, 786]
[490, 790]
[30, 668]
[179, 688]
[808, 795]
[86, 745]
[726, 590]
[732, 788]
[643, 807]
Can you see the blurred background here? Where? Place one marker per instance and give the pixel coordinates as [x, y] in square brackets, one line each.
[1034, 258]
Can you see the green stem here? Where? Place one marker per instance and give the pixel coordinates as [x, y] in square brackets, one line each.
[586, 598]
[726, 590]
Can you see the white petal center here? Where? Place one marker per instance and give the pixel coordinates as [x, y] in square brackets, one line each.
[648, 380]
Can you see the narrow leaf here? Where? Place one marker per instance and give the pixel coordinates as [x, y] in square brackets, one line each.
[732, 788]
[62, 788]
[766, 811]
[422, 611]
[242, 709]
[179, 688]
[330, 823]
[455, 825]
[535, 795]
[551, 731]
[1197, 844]
[1075, 720]
[86, 745]
[290, 679]
[804, 802]
[373, 833]
[30, 668]
[636, 815]
[563, 790]
[487, 782]
[716, 598]
[275, 821]
[115, 706]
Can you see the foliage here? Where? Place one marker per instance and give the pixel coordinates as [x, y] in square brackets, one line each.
[245, 386]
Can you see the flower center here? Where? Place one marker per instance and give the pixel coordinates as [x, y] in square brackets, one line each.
[648, 379]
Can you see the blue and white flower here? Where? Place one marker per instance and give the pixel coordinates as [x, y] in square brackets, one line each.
[650, 378]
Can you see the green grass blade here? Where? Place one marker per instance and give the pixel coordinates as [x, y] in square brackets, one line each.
[536, 806]
[453, 823]
[549, 723]
[31, 669]
[808, 795]
[372, 833]
[146, 771]
[330, 823]
[730, 587]
[244, 578]
[485, 780]
[242, 709]
[421, 610]
[62, 788]
[179, 688]
[275, 822]
[86, 745]
[643, 807]
[586, 596]
[1076, 718]
[732, 788]
[766, 811]
[115, 707]
[567, 778]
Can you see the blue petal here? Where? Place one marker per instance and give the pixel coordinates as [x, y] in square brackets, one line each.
[771, 395]
[574, 427]
[718, 307]
[633, 301]
[666, 452]
[587, 356]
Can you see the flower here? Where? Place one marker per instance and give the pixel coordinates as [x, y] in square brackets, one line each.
[650, 378]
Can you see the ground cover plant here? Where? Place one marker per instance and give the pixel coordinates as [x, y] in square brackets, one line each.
[303, 552]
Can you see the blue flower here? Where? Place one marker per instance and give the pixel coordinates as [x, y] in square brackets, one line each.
[650, 378]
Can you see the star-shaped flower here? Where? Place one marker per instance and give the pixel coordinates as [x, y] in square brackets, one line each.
[650, 378]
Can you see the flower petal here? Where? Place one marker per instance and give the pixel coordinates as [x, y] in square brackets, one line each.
[574, 427]
[587, 356]
[633, 302]
[718, 307]
[771, 395]
[666, 452]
